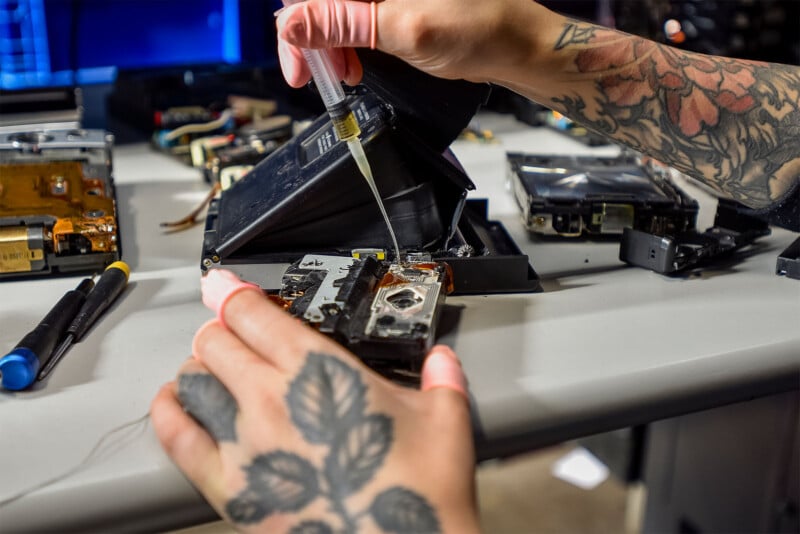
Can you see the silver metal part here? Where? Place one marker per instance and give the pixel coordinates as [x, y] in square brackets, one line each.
[327, 292]
[406, 308]
[92, 147]
[419, 257]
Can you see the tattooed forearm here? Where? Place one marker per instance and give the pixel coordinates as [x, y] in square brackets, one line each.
[210, 403]
[327, 403]
[732, 124]
[575, 34]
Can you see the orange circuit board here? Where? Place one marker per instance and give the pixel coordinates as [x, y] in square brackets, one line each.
[51, 211]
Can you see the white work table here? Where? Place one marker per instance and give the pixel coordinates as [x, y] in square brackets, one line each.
[603, 346]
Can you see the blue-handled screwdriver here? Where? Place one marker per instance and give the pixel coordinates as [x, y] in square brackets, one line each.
[110, 285]
[19, 367]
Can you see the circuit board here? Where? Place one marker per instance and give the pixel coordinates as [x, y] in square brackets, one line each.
[55, 216]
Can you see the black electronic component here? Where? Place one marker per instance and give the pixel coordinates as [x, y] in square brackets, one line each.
[308, 197]
[573, 195]
[668, 254]
[277, 128]
[789, 261]
[181, 116]
[237, 156]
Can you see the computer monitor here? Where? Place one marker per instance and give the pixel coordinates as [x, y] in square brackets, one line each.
[57, 43]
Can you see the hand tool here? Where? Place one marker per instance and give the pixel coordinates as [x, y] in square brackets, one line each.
[110, 285]
[18, 368]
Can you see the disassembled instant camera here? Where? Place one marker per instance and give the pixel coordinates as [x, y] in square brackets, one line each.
[667, 253]
[57, 203]
[570, 196]
[304, 225]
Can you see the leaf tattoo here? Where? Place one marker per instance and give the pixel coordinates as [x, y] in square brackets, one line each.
[327, 403]
[403, 511]
[326, 396]
[360, 452]
[247, 508]
[283, 480]
[311, 527]
[210, 404]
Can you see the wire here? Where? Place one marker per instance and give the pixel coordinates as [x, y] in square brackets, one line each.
[217, 123]
[96, 450]
[191, 219]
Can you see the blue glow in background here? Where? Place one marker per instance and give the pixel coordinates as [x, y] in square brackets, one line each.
[74, 42]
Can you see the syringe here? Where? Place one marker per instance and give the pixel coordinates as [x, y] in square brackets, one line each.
[345, 125]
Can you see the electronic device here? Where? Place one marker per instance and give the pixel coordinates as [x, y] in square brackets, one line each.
[667, 253]
[54, 108]
[251, 143]
[66, 44]
[309, 198]
[57, 203]
[789, 261]
[385, 312]
[569, 196]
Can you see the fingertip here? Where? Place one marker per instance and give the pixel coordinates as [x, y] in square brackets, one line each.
[218, 286]
[160, 408]
[205, 327]
[442, 369]
[293, 65]
[289, 21]
[445, 351]
[339, 60]
[354, 71]
[328, 24]
[161, 395]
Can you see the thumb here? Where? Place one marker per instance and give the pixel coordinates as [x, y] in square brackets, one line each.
[441, 372]
[328, 24]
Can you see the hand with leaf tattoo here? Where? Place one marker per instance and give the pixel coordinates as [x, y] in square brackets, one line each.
[732, 124]
[282, 430]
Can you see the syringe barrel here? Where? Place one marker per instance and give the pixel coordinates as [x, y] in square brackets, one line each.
[329, 87]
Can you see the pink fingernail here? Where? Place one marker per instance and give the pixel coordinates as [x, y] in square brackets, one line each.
[218, 286]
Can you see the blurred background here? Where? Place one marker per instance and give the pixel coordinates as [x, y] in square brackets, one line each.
[133, 57]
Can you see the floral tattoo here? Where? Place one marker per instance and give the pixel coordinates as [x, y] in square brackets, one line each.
[733, 124]
[327, 403]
